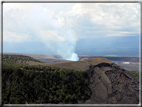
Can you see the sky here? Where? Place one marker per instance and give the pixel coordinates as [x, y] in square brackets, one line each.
[71, 29]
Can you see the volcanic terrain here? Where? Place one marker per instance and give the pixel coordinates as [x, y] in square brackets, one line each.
[109, 83]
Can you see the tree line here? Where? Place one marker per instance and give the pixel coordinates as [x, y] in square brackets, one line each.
[18, 58]
[37, 84]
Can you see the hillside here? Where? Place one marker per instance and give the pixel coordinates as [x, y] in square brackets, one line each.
[91, 81]
[18, 58]
[133, 61]
[113, 80]
[43, 84]
[81, 65]
[112, 84]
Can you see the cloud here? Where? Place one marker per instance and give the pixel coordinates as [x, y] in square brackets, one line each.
[108, 16]
[60, 26]
[48, 35]
[16, 37]
[21, 6]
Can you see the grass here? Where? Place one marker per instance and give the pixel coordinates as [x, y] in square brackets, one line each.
[135, 74]
[112, 55]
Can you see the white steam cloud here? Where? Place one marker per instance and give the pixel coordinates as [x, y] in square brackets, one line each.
[61, 43]
[55, 33]
[73, 57]
[44, 25]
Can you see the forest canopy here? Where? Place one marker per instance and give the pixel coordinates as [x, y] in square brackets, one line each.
[22, 83]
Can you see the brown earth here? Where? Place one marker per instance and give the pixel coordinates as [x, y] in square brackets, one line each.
[110, 84]
[134, 65]
[78, 65]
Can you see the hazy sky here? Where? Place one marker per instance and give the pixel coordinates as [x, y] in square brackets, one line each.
[69, 28]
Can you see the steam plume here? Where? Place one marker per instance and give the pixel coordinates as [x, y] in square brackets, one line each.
[55, 33]
[64, 47]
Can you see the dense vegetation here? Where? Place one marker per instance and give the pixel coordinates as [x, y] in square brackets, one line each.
[22, 83]
[18, 58]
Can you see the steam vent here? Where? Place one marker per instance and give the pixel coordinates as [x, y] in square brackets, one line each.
[109, 83]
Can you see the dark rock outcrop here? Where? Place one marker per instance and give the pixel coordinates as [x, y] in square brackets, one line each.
[111, 84]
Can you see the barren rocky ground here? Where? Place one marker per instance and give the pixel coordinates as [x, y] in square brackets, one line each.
[111, 84]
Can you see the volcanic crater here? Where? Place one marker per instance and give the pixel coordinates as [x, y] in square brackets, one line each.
[109, 83]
